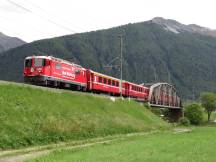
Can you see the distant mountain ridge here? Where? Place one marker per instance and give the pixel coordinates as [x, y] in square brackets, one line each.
[176, 27]
[158, 50]
[7, 42]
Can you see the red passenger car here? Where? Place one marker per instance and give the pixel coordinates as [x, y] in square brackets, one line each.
[135, 90]
[98, 82]
[103, 83]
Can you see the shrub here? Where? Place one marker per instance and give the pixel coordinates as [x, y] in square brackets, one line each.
[184, 121]
[156, 111]
[194, 112]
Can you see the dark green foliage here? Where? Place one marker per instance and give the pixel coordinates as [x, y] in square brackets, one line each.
[194, 112]
[156, 111]
[151, 54]
[184, 121]
[209, 102]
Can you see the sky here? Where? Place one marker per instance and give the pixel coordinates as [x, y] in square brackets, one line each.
[39, 19]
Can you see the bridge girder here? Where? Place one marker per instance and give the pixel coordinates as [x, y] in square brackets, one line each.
[164, 95]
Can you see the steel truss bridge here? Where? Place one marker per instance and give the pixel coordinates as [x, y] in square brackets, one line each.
[163, 95]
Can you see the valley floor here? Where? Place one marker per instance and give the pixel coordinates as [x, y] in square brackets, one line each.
[196, 145]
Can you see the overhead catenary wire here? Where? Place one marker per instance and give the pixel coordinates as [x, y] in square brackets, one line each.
[47, 19]
[18, 5]
[30, 25]
[49, 14]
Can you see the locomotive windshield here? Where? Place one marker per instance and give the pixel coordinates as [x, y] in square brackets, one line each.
[28, 63]
[39, 62]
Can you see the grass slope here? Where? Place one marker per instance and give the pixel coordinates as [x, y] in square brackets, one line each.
[35, 116]
[197, 146]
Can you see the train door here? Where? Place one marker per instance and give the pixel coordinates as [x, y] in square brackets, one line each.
[89, 79]
[48, 67]
[127, 89]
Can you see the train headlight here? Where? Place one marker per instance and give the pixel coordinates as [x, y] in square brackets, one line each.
[32, 70]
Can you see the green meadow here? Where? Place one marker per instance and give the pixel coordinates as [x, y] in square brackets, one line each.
[196, 146]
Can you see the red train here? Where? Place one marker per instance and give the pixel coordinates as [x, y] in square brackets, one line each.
[51, 71]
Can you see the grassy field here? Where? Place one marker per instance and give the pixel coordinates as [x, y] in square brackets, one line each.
[37, 116]
[196, 146]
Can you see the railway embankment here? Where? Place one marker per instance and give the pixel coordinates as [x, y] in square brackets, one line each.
[31, 116]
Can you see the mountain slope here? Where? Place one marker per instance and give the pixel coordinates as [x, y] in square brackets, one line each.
[7, 42]
[151, 54]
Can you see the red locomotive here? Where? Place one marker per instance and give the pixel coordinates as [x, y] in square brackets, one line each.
[51, 71]
[47, 70]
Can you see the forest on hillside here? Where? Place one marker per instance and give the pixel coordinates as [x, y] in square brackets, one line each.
[150, 54]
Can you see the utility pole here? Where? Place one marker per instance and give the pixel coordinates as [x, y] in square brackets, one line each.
[193, 95]
[155, 74]
[121, 41]
[169, 77]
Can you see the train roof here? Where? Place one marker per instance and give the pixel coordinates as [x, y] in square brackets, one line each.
[104, 75]
[54, 58]
[43, 57]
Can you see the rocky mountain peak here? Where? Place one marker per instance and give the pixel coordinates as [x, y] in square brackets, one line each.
[176, 27]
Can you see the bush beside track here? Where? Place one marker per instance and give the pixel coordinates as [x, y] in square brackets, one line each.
[32, 115]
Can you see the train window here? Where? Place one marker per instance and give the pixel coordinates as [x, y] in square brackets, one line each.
[109, 82]
[105, 81]
[100, 80]
[92, 79]
[117, 84]
[58, 66]
[39, 62]
[113, 83]
[47, 62]
[28, 63]
[77, 72]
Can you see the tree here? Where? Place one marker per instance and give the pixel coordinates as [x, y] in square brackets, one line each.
[208, 100]
[194, 112]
